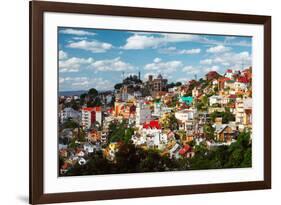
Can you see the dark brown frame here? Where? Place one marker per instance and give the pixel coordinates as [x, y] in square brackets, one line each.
[37, 9]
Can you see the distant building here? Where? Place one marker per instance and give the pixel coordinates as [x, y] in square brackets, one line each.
[157, 84]
[67, 113]
[212, 75]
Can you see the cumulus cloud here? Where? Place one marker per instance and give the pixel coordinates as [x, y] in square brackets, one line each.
[163, 67]
[93, 46]
[78, 32]
[115, 64]
[142, 41]
[183, 80]
[206, 61]
[84, 83]
[174, 50]
[212, 68]
[61, 80]
[62, 55]
[74, 64]
[218, 49]
[230, 60]
[79, 38]
[190, 51]
[191, 70]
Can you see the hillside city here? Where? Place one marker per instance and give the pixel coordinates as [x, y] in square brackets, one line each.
[155, 125]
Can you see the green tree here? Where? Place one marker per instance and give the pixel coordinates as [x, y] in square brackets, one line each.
[178, 84]
[69, 123]
[226, 116]
[169, 121]
[209, 131]
[118, 86]
[93, 92]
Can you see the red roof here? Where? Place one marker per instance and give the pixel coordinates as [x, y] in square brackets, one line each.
[185, 149]
[91, 109]
[223, 79]
[152, 124]
[65, 165]
[243, 80]
[97, 109]
[229, 71]
[232, 96]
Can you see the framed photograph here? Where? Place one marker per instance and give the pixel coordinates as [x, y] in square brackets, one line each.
[138, 102]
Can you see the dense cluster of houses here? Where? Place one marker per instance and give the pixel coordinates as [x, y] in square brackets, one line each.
[171, 119]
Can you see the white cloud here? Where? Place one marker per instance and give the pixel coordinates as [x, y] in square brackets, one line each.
[180, 37]
[79, 38]
[157, 60]
[206, 61]
[229, 60]
[191, 70]
[93, 46]
[84, 83]
[77, 32]
[74, 64]
[218, 49]
[163, 67]
[61, 80]
[183, 80]
[62, 55]
[174, 50]
[142, 41]
[115, 64]
[212, 68]
[190, 51]
[229, 38]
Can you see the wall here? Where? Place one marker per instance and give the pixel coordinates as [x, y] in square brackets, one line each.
[14, 101]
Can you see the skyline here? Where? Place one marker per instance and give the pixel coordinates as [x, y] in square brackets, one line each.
[97, 58]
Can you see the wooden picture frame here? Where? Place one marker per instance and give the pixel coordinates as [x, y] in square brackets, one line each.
[37, 9]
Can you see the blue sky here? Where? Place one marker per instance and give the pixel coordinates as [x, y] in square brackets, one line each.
[99, 58]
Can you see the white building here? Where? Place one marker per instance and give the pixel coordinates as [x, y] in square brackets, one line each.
[240, 85]
[243, 112]
[229, 74]
[215, 99]
[174, 152]
[186, 119]
[88, 147]
[67, 113]
[143, 113]
[91, 115]
[185, 115]
[160, 109]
